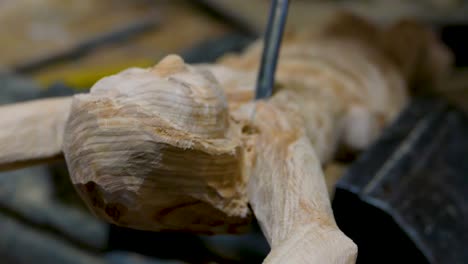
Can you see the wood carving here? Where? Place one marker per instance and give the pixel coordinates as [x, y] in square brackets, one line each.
[152, 149]
[175, 147]
[287, 190]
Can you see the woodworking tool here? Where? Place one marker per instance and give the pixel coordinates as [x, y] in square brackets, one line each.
[409, 189]
[271, 47]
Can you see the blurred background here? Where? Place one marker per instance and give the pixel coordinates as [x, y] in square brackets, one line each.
[62, 47]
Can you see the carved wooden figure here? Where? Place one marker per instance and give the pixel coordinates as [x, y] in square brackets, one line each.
[175, 147]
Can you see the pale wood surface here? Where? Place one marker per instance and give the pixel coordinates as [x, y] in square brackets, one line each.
[32, 132]
[151, 149]
[287, 191]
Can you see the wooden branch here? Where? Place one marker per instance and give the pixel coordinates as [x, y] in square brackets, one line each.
[32, 132]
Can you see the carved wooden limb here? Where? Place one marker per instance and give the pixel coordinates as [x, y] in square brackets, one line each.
[32, 132]
[288, 194]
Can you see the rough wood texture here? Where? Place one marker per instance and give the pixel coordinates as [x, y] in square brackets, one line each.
[32, 132]
[287, 190]
[349, 79]
[152, 149]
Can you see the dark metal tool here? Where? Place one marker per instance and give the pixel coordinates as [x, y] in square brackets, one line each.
[409, 191]
[271, 47]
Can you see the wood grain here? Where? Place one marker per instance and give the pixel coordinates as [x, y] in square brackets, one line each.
[288, 194]
[152, 149]
[32, 132]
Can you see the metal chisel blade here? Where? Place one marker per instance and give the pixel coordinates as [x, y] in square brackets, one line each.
[271, 46]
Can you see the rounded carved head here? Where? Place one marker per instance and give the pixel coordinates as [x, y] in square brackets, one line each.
[148, 149]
